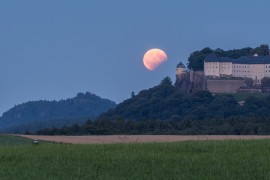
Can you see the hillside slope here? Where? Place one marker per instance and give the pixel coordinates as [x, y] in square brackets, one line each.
[84, 105]
[164, 102]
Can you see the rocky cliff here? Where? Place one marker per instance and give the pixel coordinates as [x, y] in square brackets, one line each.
[191, 81]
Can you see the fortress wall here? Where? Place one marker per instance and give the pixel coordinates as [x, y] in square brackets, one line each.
[250, 90]
[224, 86]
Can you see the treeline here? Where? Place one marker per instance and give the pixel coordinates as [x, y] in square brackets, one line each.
[35, 126]
[238, 125]
[164, 109]
[32, 114]
[196, 59]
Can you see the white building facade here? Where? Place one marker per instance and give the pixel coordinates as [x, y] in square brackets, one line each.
[255, 67]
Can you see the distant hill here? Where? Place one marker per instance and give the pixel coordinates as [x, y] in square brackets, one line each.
[36, 115]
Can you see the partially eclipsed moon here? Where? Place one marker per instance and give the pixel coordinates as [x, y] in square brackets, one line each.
[154, 58]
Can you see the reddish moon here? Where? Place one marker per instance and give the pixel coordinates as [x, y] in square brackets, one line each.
[154, 58]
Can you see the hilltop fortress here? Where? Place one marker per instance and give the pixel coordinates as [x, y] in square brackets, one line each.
[254, 67]
[225, 75]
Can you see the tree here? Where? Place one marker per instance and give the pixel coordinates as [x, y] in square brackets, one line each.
[132, 94]
[166, 82]
[249, 82]
[196, 59]
[219, 52]
[265, 82]
[263, 50]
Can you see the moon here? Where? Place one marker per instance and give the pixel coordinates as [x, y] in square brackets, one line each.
[154, 58]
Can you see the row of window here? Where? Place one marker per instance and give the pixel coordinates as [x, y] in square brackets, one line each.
[233, 67]
[240, 67]
[236, 71]
[209, 67]
[240, 71]
[243, 66]
[239, 75]
[213, 72]
[215, 63]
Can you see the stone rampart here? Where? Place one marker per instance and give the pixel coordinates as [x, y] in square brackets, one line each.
[224, 86]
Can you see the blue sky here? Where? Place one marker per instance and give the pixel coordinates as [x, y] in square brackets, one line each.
[54, 49]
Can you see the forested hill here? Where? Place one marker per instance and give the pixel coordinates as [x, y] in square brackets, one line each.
[165, 102]
[83, 105]
[164, 109]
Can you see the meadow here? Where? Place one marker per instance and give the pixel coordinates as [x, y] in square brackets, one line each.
[7, 140]
[228, 159]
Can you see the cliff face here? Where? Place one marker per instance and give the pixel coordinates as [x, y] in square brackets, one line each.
[183, 82]
[197, 80]
[191, 81]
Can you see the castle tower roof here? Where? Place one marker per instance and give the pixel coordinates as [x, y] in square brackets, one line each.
[180, 65]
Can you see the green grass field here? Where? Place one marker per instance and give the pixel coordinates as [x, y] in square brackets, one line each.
[184, 160]
[7, 140]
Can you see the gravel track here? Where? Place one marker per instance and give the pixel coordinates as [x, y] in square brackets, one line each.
[111, 139]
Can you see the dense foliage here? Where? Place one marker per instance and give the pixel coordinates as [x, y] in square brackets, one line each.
[265, 82]
[35, 115]
[196, 59]
[164, 109]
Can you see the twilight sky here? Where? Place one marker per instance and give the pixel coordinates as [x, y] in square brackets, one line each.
[54, 49]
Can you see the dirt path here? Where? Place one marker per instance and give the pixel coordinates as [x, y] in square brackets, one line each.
[138, 138]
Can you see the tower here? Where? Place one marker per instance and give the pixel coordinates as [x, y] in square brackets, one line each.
[180, 69]
[182, 77]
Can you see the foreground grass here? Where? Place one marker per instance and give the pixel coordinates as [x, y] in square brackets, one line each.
[183, 160]
[7, 140]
